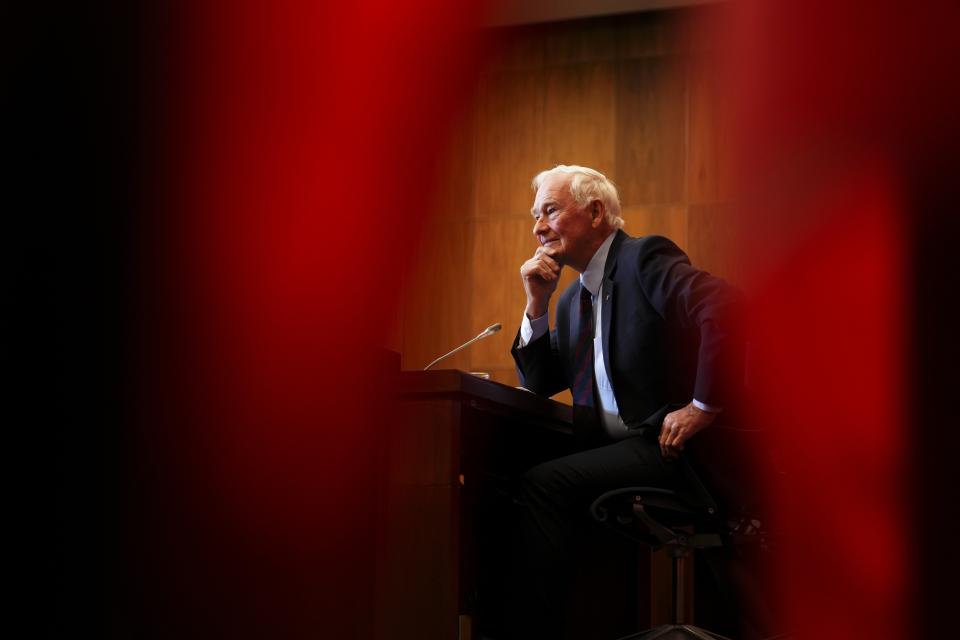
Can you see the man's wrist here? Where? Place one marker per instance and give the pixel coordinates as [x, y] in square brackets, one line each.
[705, 408]
[535, 311]
[532, 329]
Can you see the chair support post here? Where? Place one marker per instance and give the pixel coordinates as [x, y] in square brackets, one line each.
[678, 589]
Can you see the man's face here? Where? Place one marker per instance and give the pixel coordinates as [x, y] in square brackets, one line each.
[560, 224]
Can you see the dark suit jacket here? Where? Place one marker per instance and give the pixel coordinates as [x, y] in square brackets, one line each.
[670, 334]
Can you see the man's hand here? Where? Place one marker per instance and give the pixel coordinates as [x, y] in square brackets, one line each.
[680, 426]
[540, 275]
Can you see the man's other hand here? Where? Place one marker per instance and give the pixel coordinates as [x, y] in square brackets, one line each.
[540, 275]
[679, 426]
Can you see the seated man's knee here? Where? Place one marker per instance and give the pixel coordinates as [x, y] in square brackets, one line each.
[545, 479]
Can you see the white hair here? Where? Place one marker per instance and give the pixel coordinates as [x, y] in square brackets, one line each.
[586, 186]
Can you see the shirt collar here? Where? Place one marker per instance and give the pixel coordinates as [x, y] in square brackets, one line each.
[593, 276]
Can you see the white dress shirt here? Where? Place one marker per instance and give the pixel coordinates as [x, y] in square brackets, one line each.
[592, 280]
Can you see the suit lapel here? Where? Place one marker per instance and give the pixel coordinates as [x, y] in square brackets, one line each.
[609, 293]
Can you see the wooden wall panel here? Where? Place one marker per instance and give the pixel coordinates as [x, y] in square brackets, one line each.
[709, 144]
[522, 48]
[668, 220]
[436, 301]
[580, 41]
[454, 185]
[713, 242]
[508, 144]
[650, 34]
[579, 116]
[651, 131]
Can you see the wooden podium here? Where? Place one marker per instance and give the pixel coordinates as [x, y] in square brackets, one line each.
[450, 457]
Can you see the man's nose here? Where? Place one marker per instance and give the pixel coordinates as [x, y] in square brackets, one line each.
[539, 226]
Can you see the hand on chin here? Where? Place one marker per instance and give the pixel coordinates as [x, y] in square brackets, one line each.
[556, 250]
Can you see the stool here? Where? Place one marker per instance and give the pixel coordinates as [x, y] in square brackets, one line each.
[664, 519]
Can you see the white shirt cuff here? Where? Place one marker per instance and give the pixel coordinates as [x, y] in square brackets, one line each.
[530, 330]
[703, 406]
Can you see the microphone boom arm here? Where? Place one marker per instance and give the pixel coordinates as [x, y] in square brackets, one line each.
[489, 331]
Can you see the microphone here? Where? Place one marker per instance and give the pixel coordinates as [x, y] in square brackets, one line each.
[489, 331]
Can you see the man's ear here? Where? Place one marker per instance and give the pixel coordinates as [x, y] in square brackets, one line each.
[597, 213]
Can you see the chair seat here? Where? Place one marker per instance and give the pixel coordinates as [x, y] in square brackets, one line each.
[664, 518]
[659, 517]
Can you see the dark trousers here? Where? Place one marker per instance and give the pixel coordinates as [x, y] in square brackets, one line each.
[554, 498]
[553, 501]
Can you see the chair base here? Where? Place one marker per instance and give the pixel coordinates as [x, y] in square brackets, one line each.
[675, 632]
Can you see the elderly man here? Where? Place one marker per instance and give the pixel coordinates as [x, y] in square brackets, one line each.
[647, 346]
